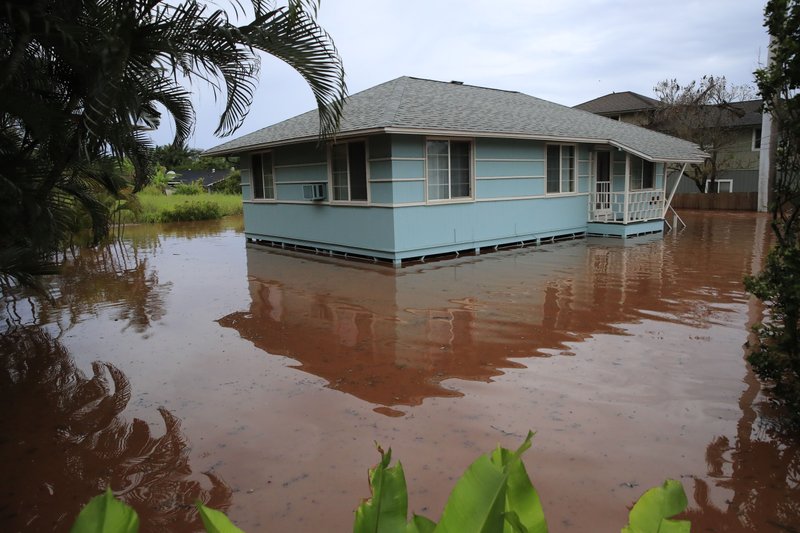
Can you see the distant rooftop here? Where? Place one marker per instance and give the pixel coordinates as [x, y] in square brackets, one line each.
[624, 102]
[631, 102]
[427, 107]
[209, 177]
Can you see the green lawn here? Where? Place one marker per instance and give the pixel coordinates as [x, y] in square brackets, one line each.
[178, 207]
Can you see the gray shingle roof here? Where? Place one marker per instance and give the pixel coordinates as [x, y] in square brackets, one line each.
[624, 102]
[752, 113]
[413, 105]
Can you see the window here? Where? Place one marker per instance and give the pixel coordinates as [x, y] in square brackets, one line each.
[757, 139]
[642, 174]
[560, 168]
[349, 171]
[263, 177]
[721, 186]
[448, 169]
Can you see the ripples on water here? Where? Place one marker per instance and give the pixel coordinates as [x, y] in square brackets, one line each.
[626, 356]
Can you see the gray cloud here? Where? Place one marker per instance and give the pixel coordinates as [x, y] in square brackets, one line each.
[567, 51]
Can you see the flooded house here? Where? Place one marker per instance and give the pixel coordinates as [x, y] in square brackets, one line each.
[422, 168]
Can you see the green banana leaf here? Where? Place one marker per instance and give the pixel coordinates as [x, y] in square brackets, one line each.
[387, 510]
[215, 521]
[420, 524]
[651, 512]
[495, 495]
[522, 501]
[105, 513]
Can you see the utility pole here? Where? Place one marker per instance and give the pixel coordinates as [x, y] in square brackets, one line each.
[766, 156]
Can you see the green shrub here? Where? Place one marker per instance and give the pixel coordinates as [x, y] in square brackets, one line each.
[159, 180]
[155, 208]
[776, 355]
[152, 190]
[194, 210]
[230, 185]
[193, 188]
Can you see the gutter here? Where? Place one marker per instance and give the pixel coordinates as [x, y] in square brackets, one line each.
[452, 133]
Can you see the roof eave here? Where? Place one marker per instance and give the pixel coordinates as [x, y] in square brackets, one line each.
[554, 138]
[647, 157]
[450, 133]
[494, 134]
[293, 140]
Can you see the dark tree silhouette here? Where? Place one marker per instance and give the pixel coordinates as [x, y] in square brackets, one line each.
[81, 82]
[64, 440]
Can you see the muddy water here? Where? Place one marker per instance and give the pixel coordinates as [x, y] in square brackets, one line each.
[183, 364]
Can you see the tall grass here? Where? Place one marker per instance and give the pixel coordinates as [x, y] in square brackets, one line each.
[178, 207]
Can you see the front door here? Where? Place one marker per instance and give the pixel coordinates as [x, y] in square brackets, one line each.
[603, 182]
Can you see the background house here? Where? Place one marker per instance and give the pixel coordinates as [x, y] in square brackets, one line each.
[422, 167]
[738, 160]
[209, 177]
[627, 106]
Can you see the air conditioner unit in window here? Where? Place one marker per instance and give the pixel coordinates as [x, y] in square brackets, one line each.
[314, 191]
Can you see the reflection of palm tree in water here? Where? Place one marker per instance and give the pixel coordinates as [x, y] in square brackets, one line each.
[762, 471]
[113, 276]
[64, 440]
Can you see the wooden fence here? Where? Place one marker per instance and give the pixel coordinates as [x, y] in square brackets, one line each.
[727, 201]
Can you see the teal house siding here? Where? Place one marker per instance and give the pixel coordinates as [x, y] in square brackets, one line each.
[509, 169]
[509, 149]
[509, 188]
[408, 169]
[356, 230]
[408, 147]
[421, 231]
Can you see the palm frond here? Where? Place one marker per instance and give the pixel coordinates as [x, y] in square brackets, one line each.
[298, 40]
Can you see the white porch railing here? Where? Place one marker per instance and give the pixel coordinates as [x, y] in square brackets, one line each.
[634, 206]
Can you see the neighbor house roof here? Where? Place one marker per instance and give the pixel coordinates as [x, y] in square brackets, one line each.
[209, 177]
[631, 102]
[624, 102]
[427, 107]
[752, 112]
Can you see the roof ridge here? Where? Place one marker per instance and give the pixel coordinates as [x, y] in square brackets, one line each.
[393, 106]
[462, 84]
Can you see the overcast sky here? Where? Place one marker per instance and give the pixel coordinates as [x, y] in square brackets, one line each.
[566, 51]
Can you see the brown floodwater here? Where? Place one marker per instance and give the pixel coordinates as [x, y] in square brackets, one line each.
[183, 364]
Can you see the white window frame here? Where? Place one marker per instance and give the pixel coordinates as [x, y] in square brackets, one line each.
[274, 188]
[331, 193]
[450, 198]
[755, 144]
[729, 182]
[640, 178]
[573, 178]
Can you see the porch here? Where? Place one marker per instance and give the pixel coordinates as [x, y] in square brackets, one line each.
[625, 207]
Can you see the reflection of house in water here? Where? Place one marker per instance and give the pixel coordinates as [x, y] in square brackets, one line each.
[392, 338]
